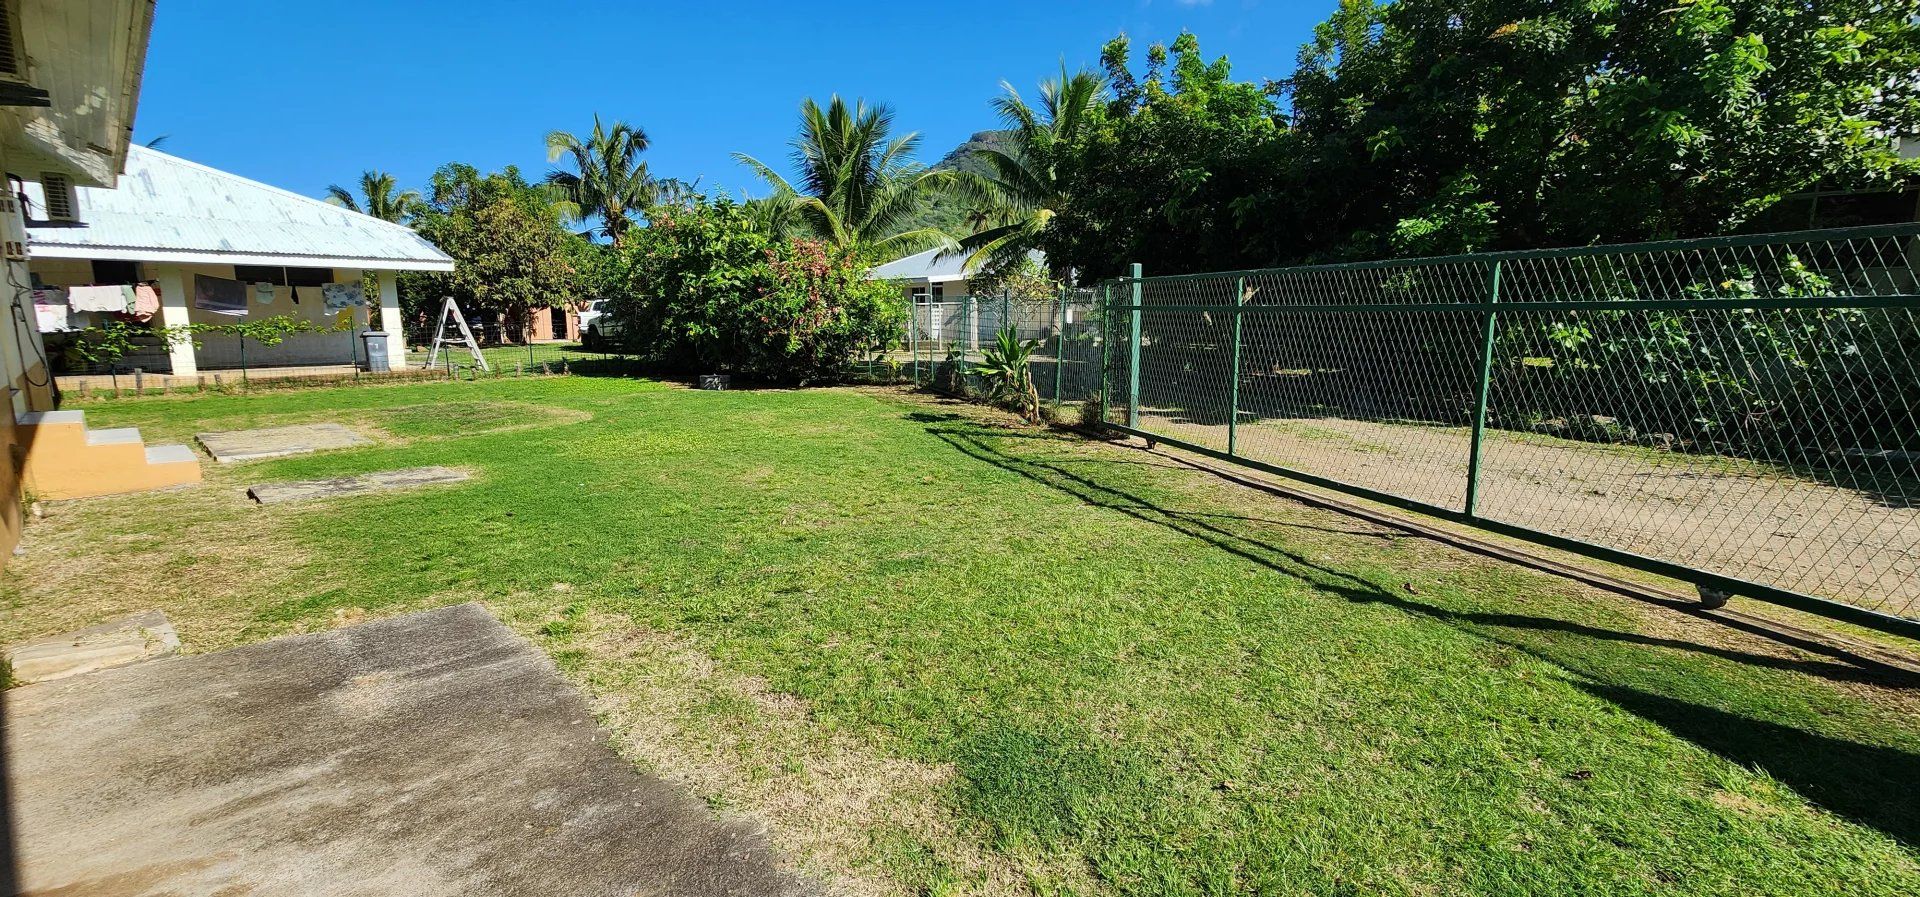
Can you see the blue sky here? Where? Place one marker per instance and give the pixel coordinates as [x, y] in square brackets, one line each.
[304, 94]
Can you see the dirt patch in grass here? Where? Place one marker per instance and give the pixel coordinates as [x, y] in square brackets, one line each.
[452, 420]
[866, 822]
[194, 552]
[1850, 541]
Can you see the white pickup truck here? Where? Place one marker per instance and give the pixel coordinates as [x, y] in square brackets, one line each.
[598, 330]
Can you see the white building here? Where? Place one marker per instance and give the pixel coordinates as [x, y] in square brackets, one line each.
[927, 277]
[187, 230]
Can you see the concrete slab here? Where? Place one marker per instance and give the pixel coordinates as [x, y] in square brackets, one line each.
[114, 643]
[431, 755]
[274, 442]
[302, 490]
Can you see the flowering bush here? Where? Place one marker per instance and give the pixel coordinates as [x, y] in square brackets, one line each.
[708, 290]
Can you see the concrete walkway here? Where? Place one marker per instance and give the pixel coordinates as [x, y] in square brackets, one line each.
[431, 754]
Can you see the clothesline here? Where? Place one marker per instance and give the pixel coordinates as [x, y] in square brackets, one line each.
[217, 295]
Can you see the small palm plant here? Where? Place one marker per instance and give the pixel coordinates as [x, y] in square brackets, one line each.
[1008, 373]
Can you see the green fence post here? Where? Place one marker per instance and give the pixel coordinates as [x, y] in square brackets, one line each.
[1006, 309]
[1486, 388]
[913, 335]
[1233, 390]
[1060, 346]
[1106, 344]
[243, 361]
[1133, 351]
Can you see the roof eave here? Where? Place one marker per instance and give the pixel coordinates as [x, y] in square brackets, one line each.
[182, 257]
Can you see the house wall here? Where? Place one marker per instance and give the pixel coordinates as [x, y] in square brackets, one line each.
[949, 289]
[219, 350]
[543, 329]
[23, 362]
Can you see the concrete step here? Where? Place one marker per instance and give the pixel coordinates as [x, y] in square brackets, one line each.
[171, 454]
[37, 418]
[111, 644]
[113, 436]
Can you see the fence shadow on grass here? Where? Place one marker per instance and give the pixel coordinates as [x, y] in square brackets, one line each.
[1872, 785]
[1846, 777]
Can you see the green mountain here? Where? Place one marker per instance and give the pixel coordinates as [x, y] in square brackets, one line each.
[949, 213]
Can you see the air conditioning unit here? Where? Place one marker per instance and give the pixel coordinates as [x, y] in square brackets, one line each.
[62, 203]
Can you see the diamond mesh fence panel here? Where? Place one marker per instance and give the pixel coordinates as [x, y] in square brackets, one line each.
[1742, 408]
[945, 340]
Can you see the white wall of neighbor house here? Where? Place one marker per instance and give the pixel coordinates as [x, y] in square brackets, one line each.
[949, 290]
[217, 350]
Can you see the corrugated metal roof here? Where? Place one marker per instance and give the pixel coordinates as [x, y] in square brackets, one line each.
[930, 267]
[169, 209]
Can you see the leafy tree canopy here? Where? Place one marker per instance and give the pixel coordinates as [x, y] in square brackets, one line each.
[1433, 126]
[511, 250]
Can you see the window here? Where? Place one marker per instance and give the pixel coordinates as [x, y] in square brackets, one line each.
[115, 273]
[282, 277]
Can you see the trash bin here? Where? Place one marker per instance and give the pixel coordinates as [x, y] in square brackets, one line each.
[376, 342]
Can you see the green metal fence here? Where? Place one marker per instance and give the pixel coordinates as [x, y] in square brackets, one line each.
[944, 339]
[1738, 413]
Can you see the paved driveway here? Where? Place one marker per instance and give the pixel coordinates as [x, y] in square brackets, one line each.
[431, 754]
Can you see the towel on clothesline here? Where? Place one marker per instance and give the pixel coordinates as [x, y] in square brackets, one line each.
[219, 295]
[109, 299]
[342, 295]
[146, 301]
[263, 292]
[50, 309]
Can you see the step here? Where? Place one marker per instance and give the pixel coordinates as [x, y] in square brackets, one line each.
[114, 643]
[113, 436]
[37, 418]
[171, 454]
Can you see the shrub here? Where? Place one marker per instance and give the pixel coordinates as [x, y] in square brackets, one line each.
[708, 290]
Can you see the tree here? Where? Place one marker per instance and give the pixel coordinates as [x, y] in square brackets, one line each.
[1161, 173]
[858, 188]
[609, 180]
[1025, 182]
[509, 245]
[379, 197]
[1515, 123]
[707, 288]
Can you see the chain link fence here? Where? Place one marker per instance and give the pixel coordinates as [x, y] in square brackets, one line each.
[945, 340]
[1739, 413]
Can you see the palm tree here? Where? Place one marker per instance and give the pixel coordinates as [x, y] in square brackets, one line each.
[858, 186]
[610, 181]
[1024, 187]
[382, 197]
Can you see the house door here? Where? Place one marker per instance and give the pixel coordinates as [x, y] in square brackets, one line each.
[557, 326]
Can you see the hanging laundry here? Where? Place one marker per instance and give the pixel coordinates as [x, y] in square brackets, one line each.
[263, 293]
[342, 295]
[50, 309]
[219, 295]
[146, 301]
[109, 299]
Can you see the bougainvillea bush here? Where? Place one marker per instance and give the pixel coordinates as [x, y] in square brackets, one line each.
[709, 291]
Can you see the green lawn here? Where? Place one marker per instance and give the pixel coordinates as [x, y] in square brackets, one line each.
[940, 654]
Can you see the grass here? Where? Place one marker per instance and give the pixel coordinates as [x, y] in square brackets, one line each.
[938, 653]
